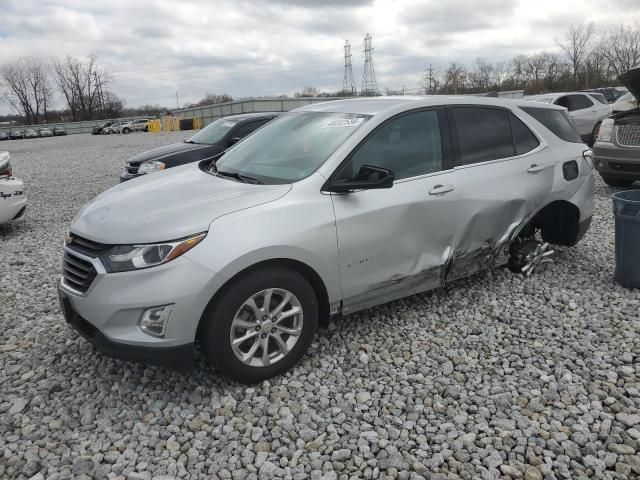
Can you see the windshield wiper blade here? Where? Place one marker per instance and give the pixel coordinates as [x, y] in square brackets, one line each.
[238, 176]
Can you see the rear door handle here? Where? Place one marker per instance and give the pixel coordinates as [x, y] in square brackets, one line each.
[536, 168]
[439, 189]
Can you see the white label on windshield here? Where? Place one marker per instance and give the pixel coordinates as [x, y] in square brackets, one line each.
[344, 122]
[228, 124]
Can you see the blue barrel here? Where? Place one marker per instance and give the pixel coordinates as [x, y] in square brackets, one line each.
[626, 210]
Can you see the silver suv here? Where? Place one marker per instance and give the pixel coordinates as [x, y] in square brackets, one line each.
[331, 208]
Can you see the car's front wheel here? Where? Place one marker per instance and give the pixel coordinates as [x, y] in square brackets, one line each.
[617, 182]
[261, 325]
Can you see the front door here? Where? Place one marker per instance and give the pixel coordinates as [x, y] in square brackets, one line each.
[394, 242]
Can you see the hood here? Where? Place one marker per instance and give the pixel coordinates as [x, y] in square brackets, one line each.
[631, 80]
[167, 150]
[167, 205]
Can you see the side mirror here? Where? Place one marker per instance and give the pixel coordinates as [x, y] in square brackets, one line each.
[234, 140]
[368, 178]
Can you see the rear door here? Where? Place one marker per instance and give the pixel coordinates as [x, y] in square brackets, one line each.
[501, 180]
[394, 242]
[584, 113]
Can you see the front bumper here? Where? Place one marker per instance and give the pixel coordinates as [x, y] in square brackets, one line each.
[179, 358]
[107, 314]
[13, 199]
[615, 161]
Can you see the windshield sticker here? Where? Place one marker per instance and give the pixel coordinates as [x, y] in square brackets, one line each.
[228, 124]
[344, 122]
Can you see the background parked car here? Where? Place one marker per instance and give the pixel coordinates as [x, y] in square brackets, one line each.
[610, 93]
[626, 102]
[99, 130]
[30, 133]
[16, 134]
[4, 136]
[616, 153]
[45, 132]
[13, 200]
[586, 111]
[211, 140]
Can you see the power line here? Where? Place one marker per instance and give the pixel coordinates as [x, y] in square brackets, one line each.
[369, 83]
[348, 85]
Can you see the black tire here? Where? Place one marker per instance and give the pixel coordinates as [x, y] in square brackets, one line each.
[126, 130]
[216, 323]
[617, 182]
[146, 129]
[594, 134]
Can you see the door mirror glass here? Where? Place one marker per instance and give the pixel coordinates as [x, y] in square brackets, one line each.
[367, 178]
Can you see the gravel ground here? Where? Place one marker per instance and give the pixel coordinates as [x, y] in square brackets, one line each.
[498, 376]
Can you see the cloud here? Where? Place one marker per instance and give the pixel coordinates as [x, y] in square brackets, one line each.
[251, 47]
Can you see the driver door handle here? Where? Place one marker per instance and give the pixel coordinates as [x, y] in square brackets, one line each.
[439, 189]
[536, 168]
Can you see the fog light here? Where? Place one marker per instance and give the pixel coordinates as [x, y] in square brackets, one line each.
[153, 321]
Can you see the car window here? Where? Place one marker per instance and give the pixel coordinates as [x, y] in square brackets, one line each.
[483, 134]
[523, 138]
[563, 102]
[409, 146]
[244, 130]
[579, 102]
[558, 121]
[599, 97]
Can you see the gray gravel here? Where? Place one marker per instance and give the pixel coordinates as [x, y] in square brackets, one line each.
[497, 377]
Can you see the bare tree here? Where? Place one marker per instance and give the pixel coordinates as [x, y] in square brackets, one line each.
[82, 84]
[455, 78]
[307, 92]
[211, 98]
[621, 48]
[26, 88]
[576, 46]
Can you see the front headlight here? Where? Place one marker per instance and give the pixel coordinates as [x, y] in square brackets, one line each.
[150, 167]
[123, 258]
[606, 130]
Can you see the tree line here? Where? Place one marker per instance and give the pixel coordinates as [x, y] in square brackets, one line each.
[29, 86]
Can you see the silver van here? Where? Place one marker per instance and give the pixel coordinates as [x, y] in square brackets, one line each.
[328, 209]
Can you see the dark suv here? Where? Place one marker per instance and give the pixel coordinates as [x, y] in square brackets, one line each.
[212, 140]
[617, 149]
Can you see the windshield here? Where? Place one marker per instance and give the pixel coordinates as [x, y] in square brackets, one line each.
[214, 132]
[291, 147]
[627, 97]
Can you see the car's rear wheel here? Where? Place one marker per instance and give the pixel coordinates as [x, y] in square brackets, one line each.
[617, 182]
[261, 325]
[125, 130]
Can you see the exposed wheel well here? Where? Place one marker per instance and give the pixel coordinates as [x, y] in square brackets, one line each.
[559, 223]
[303, 269]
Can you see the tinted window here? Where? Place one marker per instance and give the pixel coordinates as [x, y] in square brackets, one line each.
[599, 97]
[579, 102]
[483, 134]
[563, 102]
[557, 121]
[248, 128]
[524, 139]
[408, 146]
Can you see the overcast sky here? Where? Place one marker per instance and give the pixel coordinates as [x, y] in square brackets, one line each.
[153, 48]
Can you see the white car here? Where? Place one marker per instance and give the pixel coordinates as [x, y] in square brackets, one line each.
[585, 108]
[13, 200]
[624, 103]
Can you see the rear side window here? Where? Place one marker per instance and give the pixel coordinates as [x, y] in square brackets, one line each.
[579, 102]
[557, 121]
[483, 134]
[523, 139]
[599, 97]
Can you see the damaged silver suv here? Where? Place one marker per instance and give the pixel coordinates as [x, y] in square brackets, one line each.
[328, 209]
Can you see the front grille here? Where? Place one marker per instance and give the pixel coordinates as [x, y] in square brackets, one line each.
[78, 273]
[625, 167]
[132, 169]
[629, 135]
[85, 246]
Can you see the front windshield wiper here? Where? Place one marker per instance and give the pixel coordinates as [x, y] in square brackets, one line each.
[190, 141]
[237, 176]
